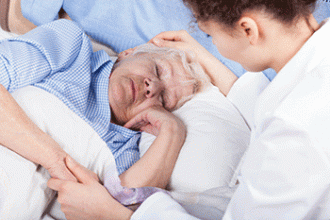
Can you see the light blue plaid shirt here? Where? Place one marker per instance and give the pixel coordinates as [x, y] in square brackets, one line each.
[58, 58]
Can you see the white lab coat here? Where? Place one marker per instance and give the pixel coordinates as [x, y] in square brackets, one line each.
[286, 169]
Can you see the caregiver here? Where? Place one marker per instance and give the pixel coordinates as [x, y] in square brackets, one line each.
[286, 170]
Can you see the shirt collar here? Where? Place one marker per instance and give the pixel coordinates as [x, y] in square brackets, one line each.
[100, 58]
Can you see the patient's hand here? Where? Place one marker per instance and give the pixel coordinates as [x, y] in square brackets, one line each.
[156, 165]
[155, 119]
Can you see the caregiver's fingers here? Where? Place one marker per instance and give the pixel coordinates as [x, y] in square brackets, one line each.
[87, 201]
[179, 40]
[164, 43]
[82, 174]
[60, 171]
[57, 184]
[181, 35]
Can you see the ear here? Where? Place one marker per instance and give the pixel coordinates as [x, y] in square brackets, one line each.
[249, 28]
[125, 54]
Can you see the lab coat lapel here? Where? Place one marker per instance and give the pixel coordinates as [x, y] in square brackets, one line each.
[309, 56]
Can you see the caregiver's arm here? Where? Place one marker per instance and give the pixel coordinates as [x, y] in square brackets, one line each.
[87, 198]
[157, 164]
[20, 134]
[220, 75]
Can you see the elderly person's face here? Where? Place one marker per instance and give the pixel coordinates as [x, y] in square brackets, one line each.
[142, 80]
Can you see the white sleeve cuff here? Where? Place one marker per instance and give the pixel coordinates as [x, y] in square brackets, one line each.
[162, 207]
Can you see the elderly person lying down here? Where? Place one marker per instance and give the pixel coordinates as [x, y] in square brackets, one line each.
[137, 92]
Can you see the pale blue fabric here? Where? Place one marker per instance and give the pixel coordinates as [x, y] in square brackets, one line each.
[322, 10]
[58, 58]
[126, 23]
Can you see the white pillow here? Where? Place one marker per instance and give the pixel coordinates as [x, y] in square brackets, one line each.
[216, 141]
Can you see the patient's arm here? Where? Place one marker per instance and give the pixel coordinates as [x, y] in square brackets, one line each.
[157, 164]
[220, 75]
[20, 134]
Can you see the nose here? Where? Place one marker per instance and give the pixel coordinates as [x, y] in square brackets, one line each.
[152, 87]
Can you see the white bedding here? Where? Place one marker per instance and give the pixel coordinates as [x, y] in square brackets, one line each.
[24, 194]
[23, 190]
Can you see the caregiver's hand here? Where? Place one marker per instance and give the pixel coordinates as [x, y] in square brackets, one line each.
[87, 198]
[220, 75]
[182, 40]
[20, 134]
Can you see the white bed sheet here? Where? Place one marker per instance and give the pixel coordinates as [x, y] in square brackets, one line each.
[24, 193]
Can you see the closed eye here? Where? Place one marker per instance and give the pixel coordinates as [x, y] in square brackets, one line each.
[157, 71]
[162, 99]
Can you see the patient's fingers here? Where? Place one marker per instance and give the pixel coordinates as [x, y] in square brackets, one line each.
[146, 121]
[136, 125]
[137, 122]
[82, 174]
[150, 129]
[151, 120]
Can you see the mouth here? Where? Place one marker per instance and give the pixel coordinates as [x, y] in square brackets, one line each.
[134, 90]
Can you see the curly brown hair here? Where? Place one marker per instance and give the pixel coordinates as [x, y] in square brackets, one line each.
[228, 12]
